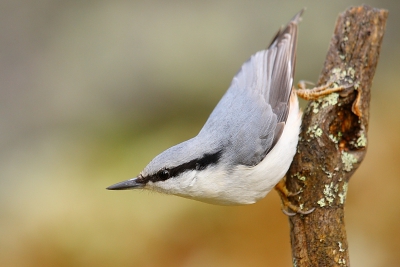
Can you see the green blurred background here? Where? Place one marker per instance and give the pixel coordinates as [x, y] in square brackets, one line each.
[93, 90]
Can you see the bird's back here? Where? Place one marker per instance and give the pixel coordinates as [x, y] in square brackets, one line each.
[250, 117]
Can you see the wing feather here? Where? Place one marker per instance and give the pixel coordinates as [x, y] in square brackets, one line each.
[251, 116]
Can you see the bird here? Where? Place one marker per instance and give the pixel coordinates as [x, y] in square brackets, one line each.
[248, 142]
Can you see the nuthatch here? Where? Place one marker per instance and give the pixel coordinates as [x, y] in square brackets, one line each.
[247, 144]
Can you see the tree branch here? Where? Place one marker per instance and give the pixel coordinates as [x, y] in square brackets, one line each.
[333, 140]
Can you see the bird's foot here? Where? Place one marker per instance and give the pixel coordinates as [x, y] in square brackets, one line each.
[320, 91]
[288, 207]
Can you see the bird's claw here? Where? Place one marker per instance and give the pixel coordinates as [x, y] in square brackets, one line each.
[302, 84]
[298, 211]
[320, 91]
[284, 194]
[288, 213]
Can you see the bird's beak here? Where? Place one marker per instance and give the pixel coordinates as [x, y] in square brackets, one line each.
[124, 185]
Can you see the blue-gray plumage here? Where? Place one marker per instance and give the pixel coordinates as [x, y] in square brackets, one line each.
[247, 143]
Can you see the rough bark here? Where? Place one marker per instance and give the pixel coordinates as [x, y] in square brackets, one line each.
[333, 140]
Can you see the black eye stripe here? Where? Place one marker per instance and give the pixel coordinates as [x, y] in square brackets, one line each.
[196, 164]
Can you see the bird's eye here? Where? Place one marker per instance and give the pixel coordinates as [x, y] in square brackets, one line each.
[163, 175]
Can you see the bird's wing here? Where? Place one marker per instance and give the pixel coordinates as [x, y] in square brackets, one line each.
[250, 117]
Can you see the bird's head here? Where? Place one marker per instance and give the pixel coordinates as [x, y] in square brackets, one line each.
[183, 170]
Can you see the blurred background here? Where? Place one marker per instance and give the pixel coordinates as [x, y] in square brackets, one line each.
[91, 91]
